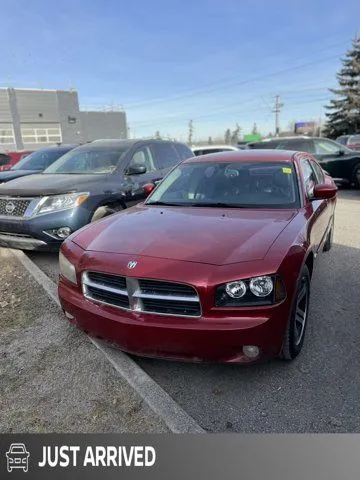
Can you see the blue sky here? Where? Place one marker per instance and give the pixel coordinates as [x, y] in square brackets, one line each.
[166, 62]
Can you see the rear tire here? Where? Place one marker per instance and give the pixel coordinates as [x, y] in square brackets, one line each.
[296, 327]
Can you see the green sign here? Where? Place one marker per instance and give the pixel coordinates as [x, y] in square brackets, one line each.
[252, 137]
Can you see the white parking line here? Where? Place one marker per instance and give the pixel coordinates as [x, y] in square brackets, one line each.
[175, 418]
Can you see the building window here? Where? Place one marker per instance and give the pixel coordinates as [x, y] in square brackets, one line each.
[6, 134]
[41, 135]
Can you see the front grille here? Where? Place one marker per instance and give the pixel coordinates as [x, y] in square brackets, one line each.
[13, 207]
[142, 295]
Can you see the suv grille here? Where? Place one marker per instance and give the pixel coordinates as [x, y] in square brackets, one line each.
[13, 207]
[142, 295]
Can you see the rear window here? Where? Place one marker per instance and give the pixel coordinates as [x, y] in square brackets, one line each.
[183, 151]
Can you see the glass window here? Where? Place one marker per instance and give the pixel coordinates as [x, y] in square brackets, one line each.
[318, 172]
[39, 160]
[143, 157]
[342, 140]
[183, 151]
[95, 161]
[326, 147]
[165, 154]
[4, 159]
[241, 184]
[296, 144]
[309, 176]
[354, 140]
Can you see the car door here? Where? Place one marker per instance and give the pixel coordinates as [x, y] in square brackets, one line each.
[320, 210]
[331, 156]
[134, 183]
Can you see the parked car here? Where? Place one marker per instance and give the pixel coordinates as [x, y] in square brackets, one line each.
[340, 162]
[12, 158]
[350, 141]
[215, 265]
[85, 184]
[206, 149]
[36, 162]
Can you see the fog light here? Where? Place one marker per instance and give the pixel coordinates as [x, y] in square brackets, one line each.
[63, 232]
[251, 351]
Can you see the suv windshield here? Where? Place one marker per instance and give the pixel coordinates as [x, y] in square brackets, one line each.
[235, 185]
[38, 160]
[92, 161]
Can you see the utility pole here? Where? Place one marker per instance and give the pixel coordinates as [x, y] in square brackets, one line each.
[190, 132]
[277, 108]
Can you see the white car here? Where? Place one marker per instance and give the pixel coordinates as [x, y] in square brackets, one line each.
[206, 149]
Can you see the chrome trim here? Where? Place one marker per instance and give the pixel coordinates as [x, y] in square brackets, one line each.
[135, 296]
[29, 209]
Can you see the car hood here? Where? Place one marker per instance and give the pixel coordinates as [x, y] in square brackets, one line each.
[12, 174]
[206, 235]
[52, 184]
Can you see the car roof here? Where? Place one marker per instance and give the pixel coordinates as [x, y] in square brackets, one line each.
[245, 156]
[127, 143]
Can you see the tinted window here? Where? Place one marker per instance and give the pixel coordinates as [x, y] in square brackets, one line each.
[318, 172]
[309, 176]
[184, 152]
[342, 140]
[143, 156]
[264, 145]
[165, 154]
[215, 184]
[89, 161]
[39, 160]
[4, 159]
[326, 147]
[299, 145]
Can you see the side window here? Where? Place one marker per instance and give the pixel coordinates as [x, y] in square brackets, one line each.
[143, 156]
[165, 155]
[183, 151]
[318, 172]
[309, 176]
[297, 145]
[326, 147]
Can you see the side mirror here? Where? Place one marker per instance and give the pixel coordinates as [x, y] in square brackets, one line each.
[148, 188]
[341, 152]
[136, 169]
[323, 191]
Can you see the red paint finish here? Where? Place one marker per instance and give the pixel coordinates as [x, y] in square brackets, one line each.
[202, 247]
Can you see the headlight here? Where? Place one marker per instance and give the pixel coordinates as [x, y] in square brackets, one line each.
[265, 290]
[67, 269]
[60, 202]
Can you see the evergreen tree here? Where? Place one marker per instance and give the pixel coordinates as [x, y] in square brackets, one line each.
[227, 136]
[344, 110]
[254, 130]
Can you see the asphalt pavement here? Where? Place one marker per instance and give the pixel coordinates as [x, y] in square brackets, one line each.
[319, 391]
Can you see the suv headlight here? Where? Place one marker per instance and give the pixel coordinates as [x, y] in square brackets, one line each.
[67, 269]
[60, 202]
[264, 290]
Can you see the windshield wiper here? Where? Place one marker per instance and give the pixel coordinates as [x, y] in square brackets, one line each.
[167, 204]
[218, 205]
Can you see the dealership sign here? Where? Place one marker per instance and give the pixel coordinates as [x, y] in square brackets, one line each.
[304, 127]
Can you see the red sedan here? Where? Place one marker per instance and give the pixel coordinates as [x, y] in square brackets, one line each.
[216, 265]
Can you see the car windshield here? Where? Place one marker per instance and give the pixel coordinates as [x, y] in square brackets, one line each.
[233, 185]
[38, 160]
[91, 161]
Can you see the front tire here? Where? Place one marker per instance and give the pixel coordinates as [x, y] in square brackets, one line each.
[356, 176]
[296, 327]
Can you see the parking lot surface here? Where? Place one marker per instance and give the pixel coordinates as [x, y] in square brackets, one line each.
[318, 392]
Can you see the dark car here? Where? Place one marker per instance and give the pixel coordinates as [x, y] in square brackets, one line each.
[36, 162]
[339, 161]
[216, 265]
[85, 184]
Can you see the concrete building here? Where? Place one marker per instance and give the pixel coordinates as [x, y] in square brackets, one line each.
[32, 119]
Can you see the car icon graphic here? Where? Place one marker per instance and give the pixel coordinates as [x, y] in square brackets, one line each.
[17, 457]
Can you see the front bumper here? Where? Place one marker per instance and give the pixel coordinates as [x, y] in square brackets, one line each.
[204, 339]
[29, 233]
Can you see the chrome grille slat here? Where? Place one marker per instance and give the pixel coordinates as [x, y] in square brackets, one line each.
[142, 295]
[20, 206]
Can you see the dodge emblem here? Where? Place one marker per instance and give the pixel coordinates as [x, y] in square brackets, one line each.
[132, 264]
